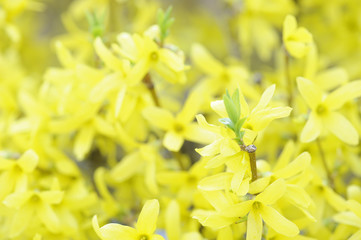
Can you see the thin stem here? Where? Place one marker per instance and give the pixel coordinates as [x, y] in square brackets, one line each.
[251, 150]
[147, 80]
[288, 78]
[323, 158]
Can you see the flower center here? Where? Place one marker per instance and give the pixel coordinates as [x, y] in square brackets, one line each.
[154, 56]
[143, 237]
[321, 109]
[178, 128]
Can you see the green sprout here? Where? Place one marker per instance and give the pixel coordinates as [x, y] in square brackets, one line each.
[234, 120]
[96, 24]
[164, 21]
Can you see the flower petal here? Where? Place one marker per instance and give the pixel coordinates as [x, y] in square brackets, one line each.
[254, 226]
[205, 61]
[215, 182]
[341, 128]
[113, 231]
[147, 220]
[312, 129]
[343, 94]
[265, 98]
[278, 222]
[272, 193]
[28, 161]
[173, 141]
[296, 166]
[309, 91]
[159, 117]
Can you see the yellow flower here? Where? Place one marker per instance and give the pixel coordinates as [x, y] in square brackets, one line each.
[324, 113]
[260, 116]
[144, 228]
[220, 76]
[14, 174]
[351, 218]
[297, 40]
[146, 55]
[179, 127]
[30, 204]
[255, 209]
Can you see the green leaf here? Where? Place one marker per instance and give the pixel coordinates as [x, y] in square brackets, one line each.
[228, 122]
[236, 102]
[239, 124]
[96, 24]
[164, 21]
[231, 108]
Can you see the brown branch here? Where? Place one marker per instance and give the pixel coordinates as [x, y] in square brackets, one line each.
[251, 150]
[147, 80]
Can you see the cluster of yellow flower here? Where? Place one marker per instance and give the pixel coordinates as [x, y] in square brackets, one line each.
[123, 135]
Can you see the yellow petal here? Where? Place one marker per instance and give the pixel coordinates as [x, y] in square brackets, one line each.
[297, 49]
[194, 133]
[331, 78]
[239, 185]
[171, 59]
[127, 167]
[173, 221]
[191, 107]
[289, 26]
[238, 210]
[356, 235]
[64, 56]
[265, 98]
[254, 226]
[204, 124]
[341, 128]
[83, 141]
[272, 193]
[20, 221]
[159, 117]
[219, 108]
[119, 101]
[137, 73]
[205, 61]
[107, 57]
[16, 200]
[147, 220]
[113, 231]
[52, 197]
[150, 178]
[49, 218]
[312, 129]
[211, 149]
[285, 156]
[220, 181]
[225, 233]
[335, 200]
[259, 185]
[310, 92]
[343, 94]
[355, 207]
[173, 141]
[298, 195]
[296, 166]
[28, 161]
[212, 219]
[348, 218]
[278, 222]
[101, 89]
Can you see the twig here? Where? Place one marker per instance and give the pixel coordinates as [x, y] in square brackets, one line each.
[147, 80]
[251, 150]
